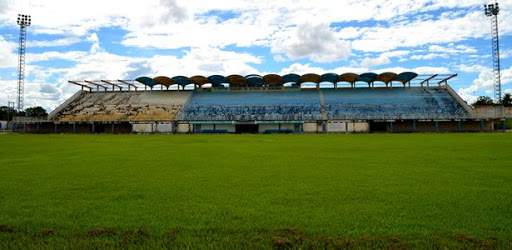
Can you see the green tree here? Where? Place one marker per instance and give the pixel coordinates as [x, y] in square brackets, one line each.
[507, 100]
[483, 100]
[7, 113]
[36, 112]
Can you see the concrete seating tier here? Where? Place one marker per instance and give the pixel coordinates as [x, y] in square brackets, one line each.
[124, 106]
[392, 104]
[255, 105]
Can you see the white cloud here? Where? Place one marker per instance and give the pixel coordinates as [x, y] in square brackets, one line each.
[384, 58]
[8, 58]
[484, 84]
[54, 43]
[316, 42]
[429, 56]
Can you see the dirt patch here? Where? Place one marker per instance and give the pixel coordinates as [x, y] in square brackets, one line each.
[102, 231]
[281, 242]
[172, 232]
[6, 229]
[47, 231]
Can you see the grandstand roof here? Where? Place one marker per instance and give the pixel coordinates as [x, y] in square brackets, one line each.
[254, 80]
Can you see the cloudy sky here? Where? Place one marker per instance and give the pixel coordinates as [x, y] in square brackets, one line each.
[114, 39]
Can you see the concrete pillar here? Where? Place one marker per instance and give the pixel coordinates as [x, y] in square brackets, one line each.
[92, 128]
[131, 128]
[74, 127]
[459, 126]
[113, 127]
[346, 128]
[38, 127]
[391, 127]
[436, 125]
[481, 125]
[55, 129]
[151, 125]
[413, 125]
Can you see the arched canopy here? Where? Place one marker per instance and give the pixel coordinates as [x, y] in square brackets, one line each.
[405, 77]
[217, 80]
[164, 80]
[182, 80]
[236, 80]
[311, 77]
[273, 79]
[367, 77]
[329, 77]
[146, 81]
[348, 77]
[254, 79]
[386, 77]
[291, 78]
[199, 80]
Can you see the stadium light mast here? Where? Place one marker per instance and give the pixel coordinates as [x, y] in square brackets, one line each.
[492, 11]
[23, 21]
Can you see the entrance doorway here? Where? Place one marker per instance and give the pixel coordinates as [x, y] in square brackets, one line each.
[246, 128]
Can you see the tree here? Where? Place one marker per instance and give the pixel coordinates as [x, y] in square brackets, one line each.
[6, 113]
[36, 112]
[483, 100]
[507, 100]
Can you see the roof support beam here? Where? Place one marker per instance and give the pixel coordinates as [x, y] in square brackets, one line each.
[428, 79]
[81, 85]
[445, 80]
[129, 84]
[112, 84]
[97, 85]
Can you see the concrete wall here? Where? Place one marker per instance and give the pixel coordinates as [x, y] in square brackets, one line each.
[262, 128]
[183, 128]
[162, 128]
[359, 127]
[336, 126]
[143, 127]
[312, 127]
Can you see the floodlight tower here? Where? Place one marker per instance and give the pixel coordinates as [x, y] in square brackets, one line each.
[492, 11]
[23, 22]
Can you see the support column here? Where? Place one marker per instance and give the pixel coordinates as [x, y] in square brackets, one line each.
[151, 124]
[414, 126]
[92, 128]
[504, 125]
[113, 127]
[481, 125]
[459, 126]
[25, 128]
[55, 129]
[436, 123]
[346, 128]
[391, 127]
[38, 127]
[131, 128]
[74, 128]
[324, 127]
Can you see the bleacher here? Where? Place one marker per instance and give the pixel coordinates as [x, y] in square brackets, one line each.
[124, 106]
[253, 105]
[392, 104]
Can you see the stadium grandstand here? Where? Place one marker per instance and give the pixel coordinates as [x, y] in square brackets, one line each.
[291, 103]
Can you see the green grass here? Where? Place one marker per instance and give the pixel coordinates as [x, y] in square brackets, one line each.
[256, 191]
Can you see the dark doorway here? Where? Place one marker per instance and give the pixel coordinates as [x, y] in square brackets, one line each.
[99, 128]
[378, 126]
[246, 128]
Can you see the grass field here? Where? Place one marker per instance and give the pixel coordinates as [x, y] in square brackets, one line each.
[256, 191]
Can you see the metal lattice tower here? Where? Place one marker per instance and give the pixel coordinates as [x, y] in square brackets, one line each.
[492, 11]
[23, 22]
